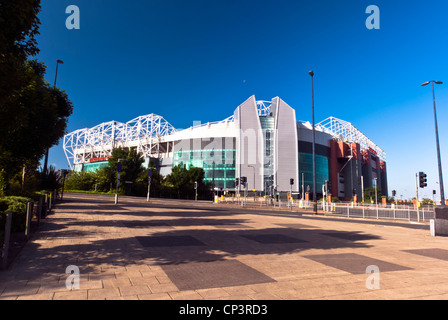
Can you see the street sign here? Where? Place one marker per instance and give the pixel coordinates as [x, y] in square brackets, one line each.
[150, 173]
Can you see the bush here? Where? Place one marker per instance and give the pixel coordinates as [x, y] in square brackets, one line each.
[80, 181]
[16, 205]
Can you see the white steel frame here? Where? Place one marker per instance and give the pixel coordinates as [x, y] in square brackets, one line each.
[263, 108]
[143, 133]
[345, 131]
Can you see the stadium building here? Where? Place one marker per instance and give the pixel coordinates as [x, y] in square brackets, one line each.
[261, 141]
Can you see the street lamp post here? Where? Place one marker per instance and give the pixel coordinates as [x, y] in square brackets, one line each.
[311, 73]
[54, 86]
[376, 196]
[56, 75]
[442, 193]
[253, 167]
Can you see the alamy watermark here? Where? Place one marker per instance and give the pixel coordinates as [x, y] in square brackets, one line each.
[72, 281]
[73, 21]
[373, 20]
[373, 280]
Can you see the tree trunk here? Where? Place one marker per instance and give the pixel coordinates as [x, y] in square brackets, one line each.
[23, 176]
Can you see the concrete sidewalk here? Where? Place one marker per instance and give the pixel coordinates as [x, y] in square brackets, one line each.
[171, 249]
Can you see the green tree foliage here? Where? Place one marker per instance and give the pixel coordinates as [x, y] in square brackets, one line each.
[19, 26]
[80, 181]
[179, 184]
[33, 114]
[369, 195]
[131, 168]
[16, 205]
[38, 120]
[181, 181]
[34, 181]
[105, 179]
[157, 186]
[427, 202]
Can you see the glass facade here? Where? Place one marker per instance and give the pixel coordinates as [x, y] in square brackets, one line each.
[93, 166]
[306, 166]
[218, 165]
[268, 126]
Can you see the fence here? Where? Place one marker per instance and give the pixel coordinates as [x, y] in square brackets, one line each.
[350, 210]
[397, 212]
[34, 209]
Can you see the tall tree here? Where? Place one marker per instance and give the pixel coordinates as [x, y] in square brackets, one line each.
[182, 181]
[19, 26]
[37, 121]
[131, 166]
[369, 195]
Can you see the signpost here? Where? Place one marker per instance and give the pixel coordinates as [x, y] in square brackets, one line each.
[149, 184]
[118, 180]
[195, 191]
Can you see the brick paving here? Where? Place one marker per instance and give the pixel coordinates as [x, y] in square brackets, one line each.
[176, 250]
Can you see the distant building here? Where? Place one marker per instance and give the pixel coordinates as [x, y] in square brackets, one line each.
[261, 141]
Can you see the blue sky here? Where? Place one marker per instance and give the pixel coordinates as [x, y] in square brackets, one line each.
[198, 60]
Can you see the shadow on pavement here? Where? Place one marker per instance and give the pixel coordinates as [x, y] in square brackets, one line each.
[209, 245]
[201, 239]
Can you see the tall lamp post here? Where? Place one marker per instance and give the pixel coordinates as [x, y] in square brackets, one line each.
[311, 73]
[54, 86]
[253, 167]
[442, 193]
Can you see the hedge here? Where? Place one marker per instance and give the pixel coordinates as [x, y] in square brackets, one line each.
[16, 205]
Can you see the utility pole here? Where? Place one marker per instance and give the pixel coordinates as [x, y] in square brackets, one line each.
[149, 184]
[362, 189]
[303, 186]
[376, 196]
[48, 149]
[439, 161]
[416, 196]
[118, 180]
[291, 182]
[245, 190]
[311, 73]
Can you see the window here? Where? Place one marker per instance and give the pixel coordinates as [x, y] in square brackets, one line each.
[218, 164]
[306, 167]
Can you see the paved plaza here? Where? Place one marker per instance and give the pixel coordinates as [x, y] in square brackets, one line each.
[176, 250]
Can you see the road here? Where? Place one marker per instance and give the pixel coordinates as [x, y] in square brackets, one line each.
[177, 249]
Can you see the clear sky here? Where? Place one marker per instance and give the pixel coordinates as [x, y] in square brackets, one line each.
[198, 60]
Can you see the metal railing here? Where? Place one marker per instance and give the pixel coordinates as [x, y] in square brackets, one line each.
[393, 212]
[343, 209]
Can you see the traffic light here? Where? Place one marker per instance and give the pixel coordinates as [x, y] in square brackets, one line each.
[243, 180]
[237, 181]
[394, 193]
[291, 181]
[422, 179]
